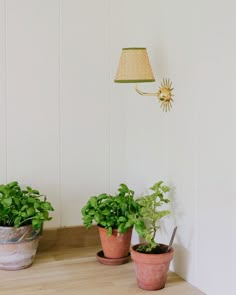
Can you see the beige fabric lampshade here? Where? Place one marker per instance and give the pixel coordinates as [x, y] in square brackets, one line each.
[134, 66]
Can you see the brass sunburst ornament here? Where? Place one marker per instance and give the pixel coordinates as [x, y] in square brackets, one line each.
[165, 95]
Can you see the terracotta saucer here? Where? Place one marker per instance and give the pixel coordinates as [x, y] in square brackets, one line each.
[111, 261]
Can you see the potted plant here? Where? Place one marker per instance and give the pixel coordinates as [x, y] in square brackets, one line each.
[152, 259]
[115, 217]
[22, 214]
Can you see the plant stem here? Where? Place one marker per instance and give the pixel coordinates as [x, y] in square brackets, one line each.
[154, 223]
[154, 230]
[30, 218]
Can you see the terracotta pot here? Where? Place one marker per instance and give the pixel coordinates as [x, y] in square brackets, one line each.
[18, 247]
[117, 245]
[151, 269]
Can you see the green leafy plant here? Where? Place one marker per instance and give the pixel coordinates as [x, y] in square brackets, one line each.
[150, 215]
[112, 212]
[20, 207]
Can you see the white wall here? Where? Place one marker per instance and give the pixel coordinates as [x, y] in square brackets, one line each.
[192, 148]
[54, 100]
[68, 130]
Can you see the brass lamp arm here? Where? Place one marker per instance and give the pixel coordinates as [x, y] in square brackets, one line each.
[144, 93]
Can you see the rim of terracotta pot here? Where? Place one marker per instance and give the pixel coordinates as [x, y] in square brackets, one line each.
[114, 230]
[148, 256]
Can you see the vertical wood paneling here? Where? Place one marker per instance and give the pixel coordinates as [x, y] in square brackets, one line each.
[233, 220]
[32, 96]
[3, 164]
[215, 65]
[84, 101]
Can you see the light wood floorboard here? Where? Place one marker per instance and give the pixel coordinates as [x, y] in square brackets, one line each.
[73, 271]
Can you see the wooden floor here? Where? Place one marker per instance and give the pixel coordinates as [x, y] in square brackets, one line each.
[76, 271]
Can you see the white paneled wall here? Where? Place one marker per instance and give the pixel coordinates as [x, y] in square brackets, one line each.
[84, 105]
[215, 71]
[55, 119]
[3, 148]
[32, 85]
[68, 130]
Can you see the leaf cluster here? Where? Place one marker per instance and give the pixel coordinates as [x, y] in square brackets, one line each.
[20, 207]
[112, 212]
[151, 214]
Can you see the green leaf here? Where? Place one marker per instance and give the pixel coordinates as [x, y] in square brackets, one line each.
[109, 232]
[122, 219]
[103, 223]
[6, 202]
[12, 184]
[102, 197]
[24, 207]
[46, 206]
[36, 204]
[97, 217]
[93, 202]
[23, 214]
[84, 210]
[91, 212]
[36, 223]
[17, 221]
[128, 224]
[106, 212]
[30, 211]
[16, 201]
[124, 187]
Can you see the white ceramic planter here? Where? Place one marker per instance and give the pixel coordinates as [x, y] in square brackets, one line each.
[18, 247]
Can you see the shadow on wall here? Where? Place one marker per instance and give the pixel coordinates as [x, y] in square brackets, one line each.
[181, 260]
[182, 256]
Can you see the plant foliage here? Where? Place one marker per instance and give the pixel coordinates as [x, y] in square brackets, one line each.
[112, 212]
[150, 215]
[20, 207]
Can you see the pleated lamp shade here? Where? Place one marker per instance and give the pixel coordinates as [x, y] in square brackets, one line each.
[134, 66]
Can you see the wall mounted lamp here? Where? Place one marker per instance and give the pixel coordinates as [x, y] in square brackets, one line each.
[134, 67]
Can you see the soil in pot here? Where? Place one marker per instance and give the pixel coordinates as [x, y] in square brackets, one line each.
[160, 249]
